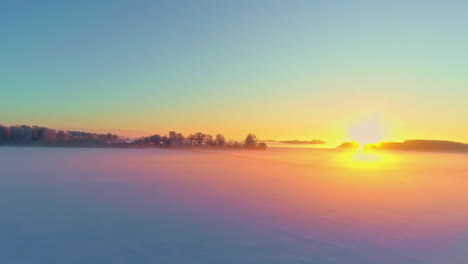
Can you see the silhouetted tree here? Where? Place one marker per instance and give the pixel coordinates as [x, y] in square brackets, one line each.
[191, 138]
[156, 139]
[27, 134]
[110, 136]
[209, 140]
[234, 144]
[199, 138]
[172, 138]
[35, 133]
[46, 135]
[220, 140]
[17, 134]
[250, 141]
[180, 139]
[5, 134]
[62, 137]
[165, 141]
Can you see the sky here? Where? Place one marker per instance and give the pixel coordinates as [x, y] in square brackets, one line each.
[280, 69]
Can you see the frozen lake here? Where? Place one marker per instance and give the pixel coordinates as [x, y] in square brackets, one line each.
[278, 206]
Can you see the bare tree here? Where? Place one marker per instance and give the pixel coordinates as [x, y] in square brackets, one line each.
[199, 138]
[209, 140]
[250, 141]
[220, 140]
[180, 139]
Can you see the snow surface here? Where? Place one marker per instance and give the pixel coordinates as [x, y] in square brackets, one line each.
[71, 205]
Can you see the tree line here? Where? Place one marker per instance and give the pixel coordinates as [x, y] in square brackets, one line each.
[35, 135]
[199, 139]
[43, 136]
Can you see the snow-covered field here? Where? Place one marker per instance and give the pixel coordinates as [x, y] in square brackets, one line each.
[278, 206]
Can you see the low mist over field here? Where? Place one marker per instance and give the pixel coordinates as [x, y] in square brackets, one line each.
[279, 206]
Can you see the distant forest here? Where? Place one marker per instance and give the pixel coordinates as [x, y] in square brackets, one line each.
[42, 136]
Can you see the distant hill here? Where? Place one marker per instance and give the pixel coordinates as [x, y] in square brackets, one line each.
[413, 145]
[349, 145]
[421, 145]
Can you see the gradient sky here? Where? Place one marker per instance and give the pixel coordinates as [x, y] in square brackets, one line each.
[280, 69]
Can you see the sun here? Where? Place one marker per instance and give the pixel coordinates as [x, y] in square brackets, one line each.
[367, 131]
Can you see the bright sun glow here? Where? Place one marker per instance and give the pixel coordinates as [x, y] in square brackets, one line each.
[367, 131]
[363, 159]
